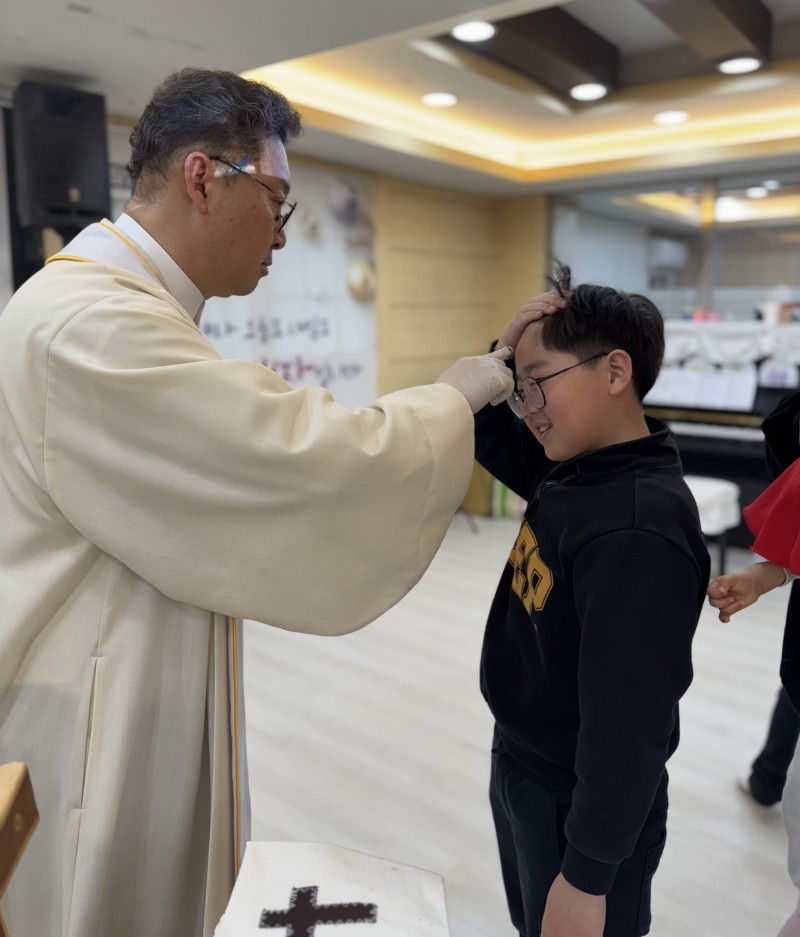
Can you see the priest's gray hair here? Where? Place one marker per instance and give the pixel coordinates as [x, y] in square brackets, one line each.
[214, 111]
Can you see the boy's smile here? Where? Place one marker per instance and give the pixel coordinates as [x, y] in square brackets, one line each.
[583, 409]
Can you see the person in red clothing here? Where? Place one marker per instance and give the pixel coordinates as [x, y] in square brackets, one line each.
[774, 520]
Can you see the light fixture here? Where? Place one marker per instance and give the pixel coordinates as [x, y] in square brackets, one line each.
[671, 118]
[771, 184]
[728, 208]
[590, 91]
[439, 99]
[476, 31]
[739, 65]
[756, 191]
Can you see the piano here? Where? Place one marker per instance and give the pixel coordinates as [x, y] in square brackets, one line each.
[718, 427]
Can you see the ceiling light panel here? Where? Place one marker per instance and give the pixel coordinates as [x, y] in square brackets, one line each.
[439, 99]
[740, 65]
[671, 118]
[476, 31]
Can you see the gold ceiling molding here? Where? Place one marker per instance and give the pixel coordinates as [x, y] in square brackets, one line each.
[356, 111]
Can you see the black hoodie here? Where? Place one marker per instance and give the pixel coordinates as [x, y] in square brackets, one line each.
[588, 643]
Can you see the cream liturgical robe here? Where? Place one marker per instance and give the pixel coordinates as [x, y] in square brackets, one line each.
[153, 494]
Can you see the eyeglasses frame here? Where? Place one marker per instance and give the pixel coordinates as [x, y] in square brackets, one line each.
[281, 218]
[520, 396]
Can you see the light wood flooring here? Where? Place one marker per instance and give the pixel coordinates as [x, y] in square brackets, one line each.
[378, 741]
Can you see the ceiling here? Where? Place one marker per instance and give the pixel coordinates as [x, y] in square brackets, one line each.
[357, 70]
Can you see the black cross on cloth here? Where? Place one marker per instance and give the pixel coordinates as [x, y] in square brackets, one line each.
[303, 913]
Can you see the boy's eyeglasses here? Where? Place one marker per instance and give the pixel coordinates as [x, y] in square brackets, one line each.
[285, 208]
[530, 391]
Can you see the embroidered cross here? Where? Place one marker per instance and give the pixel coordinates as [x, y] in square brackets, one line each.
[303, 913]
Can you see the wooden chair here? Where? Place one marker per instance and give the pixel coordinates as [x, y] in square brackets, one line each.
[18, 820]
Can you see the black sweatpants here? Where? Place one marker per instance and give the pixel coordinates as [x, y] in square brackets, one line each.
[529, 821]
[768, 773]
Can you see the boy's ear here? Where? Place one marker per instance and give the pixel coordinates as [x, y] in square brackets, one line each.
[620, 371]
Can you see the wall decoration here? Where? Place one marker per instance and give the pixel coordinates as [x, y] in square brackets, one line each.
[343, 200]
[361, 280]
[313, 319]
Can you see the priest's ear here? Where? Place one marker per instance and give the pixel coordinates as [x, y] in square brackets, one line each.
[198, 172]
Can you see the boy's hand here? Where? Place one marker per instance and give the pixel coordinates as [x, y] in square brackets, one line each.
[537, 308]
[570, 912]
[733, 592]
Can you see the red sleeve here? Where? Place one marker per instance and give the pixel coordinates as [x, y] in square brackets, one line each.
[774, 520]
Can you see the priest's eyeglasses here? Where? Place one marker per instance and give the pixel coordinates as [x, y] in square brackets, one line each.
[530, 390]
[285, 208]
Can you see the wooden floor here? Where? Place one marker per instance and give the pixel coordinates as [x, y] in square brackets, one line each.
[378, 741]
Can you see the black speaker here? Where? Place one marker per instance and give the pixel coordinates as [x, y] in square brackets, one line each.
[60, 155]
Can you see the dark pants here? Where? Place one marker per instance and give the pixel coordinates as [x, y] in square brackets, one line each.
[529, 822]
[790, 656]
[768, 773]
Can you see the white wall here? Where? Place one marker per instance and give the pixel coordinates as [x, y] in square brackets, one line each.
[600, 250]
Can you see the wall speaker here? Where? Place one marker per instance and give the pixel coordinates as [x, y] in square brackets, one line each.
[60, 156]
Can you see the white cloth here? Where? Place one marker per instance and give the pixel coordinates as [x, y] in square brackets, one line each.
[733, 343]
[148, 489]
[351, 888]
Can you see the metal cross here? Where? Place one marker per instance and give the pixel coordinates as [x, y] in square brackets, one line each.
[303, 913]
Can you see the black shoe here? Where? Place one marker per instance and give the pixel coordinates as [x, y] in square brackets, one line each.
[744, 783]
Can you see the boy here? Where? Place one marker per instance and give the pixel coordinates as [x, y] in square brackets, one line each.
[588, 643]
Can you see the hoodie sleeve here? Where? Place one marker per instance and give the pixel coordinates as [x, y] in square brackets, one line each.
[637, 602]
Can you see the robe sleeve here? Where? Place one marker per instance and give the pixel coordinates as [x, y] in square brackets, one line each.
[220, 485]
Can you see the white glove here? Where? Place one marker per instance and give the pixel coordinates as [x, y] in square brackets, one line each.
[483, 379]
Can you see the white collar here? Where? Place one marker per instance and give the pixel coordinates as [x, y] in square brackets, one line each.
[175, 280]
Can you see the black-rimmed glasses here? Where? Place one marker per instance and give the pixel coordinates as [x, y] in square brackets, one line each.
[285, 208]
[530, 390]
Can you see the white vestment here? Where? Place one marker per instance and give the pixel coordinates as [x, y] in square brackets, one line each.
[152, 495]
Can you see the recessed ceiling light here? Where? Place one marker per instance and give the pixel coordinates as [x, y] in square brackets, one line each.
[439, 99]
[771, 184]
[740, 65]
[757, 191]
[671, 118]
[476, 31]
[591, 91]
[728, 208]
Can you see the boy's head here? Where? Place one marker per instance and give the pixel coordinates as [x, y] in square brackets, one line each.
[607, 346]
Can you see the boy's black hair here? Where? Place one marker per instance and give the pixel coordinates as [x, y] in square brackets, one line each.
[598, 318]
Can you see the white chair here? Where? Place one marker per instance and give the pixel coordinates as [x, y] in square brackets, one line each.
[718, 504]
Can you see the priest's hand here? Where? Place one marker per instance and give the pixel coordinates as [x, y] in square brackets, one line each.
[483, 379]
